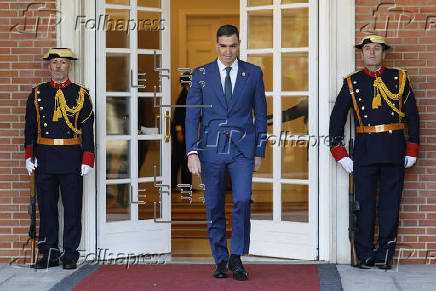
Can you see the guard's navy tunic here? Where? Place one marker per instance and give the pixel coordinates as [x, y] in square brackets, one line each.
[59, 166]
[377, 156]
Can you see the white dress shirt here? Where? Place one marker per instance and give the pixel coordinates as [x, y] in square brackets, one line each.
[223, 73]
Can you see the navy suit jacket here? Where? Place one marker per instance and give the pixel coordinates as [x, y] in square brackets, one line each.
[226, 129]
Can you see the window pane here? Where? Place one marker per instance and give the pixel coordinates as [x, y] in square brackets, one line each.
[265, 61]
[295, 27]
[149, 196]
[295, 113]
[295, 202]
[148, 115]
[295, 157]
[293, 1]
[260, 29]
[259, 2]
[146, 65]
[117, 159]
[149, 3]
[149, 156]
[117, 73]
[116, 25]
[262, 196]
[119, 2]
[117, 115]
[117, 202]
[295, 72]
[148, 27]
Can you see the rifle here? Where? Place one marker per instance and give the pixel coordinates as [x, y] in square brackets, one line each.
[32, 212]
[353, 210]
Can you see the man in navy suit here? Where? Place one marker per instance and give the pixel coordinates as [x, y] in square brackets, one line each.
[224, 94]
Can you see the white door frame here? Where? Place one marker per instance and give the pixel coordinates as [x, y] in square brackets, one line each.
[336, 59]
[133, 235]
[288, 239]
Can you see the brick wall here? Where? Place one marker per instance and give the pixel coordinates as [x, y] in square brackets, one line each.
[20, 67]
[411, 30]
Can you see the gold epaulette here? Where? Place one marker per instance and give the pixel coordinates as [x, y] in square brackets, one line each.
[37, 85]
[397, 68]
[349, 75]
[83, 86]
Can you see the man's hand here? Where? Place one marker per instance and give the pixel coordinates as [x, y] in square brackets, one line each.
[409, 161]
[85, 170]
[194, 165]
[347, 164]
[180, 136]
[257, 163]
[31, 166]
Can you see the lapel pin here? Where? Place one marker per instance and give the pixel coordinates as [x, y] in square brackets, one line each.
[243, 74]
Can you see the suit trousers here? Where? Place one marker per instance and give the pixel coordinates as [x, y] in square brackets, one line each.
[71, 188]
[214, 178]
[390, 178]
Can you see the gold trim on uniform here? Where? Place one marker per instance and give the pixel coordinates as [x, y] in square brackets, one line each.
[381, 90]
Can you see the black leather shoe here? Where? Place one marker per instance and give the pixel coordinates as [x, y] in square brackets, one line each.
[69, 264]
[383, 266]
[367, 263]
[235, 265]
[43, 264]
[221, 270]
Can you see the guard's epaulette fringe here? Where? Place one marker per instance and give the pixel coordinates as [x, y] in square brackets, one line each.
[349, 75]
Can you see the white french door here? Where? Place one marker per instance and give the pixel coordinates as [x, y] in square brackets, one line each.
[280, 36]
[133, 59]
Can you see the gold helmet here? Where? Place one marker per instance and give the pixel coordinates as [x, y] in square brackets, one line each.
[372, 38]
[60, 53]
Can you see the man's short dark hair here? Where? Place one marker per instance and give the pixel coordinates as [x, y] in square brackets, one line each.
[227, 30]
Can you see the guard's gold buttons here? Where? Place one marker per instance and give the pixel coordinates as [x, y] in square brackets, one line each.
[41, 108]
[46, 132]
[354, 82]
[392, 113]
[360, 99]
[396, 78]
[37, 92]
[43, 116]
[366, 116]
[39, 99]
[390, 131]
[45, 124]
[357, 90]
[363, 107]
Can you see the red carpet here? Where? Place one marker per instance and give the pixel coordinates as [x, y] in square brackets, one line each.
[199, 277]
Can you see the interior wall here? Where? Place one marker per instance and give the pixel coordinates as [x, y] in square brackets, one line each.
[176, 7]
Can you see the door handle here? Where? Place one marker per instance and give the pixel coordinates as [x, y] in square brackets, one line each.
[167, 125]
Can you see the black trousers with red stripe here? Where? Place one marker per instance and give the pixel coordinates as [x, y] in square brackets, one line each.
[71, 188]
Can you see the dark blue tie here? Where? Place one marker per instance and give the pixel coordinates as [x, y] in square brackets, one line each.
[228, 86]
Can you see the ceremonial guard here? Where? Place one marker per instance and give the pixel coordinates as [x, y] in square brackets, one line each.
[59, 145]
[383, 103]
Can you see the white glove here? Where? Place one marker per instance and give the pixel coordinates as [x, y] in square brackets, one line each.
[347, 164]
[409, 161]
[31, 166]
[85, 170]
